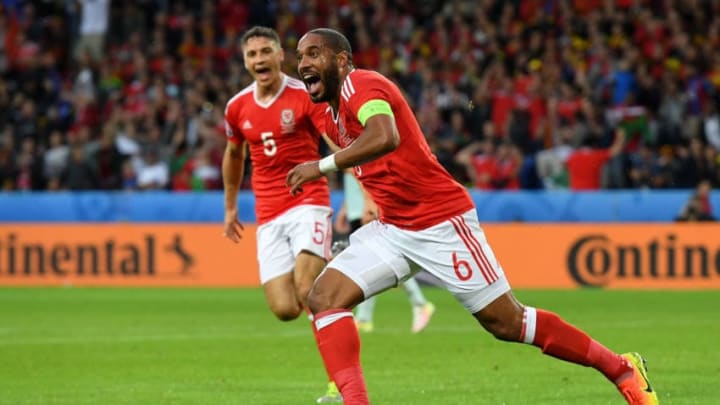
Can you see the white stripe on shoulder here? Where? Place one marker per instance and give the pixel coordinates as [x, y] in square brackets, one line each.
[350, 85]
[347, 89]
[296, 83]
[241, 93]
[344, 91]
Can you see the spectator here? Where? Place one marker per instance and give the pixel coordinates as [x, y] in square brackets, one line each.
[551, 163]
[79, 175]
[586, 163]
[93, 27]
[129, 178]
[698, 208]
[56, 156]
[152, 174]
[478, 158]
[508, 162]
[7, 169]
[154, 71]
[108, 161]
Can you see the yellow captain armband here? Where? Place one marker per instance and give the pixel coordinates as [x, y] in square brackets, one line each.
[373, 107]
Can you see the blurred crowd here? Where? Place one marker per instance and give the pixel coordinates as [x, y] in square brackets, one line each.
[523, 94]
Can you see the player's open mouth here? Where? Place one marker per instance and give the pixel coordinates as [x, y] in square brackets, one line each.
[312, 82]
[263, 72]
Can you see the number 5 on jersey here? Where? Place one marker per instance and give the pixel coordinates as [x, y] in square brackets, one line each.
[269, 145]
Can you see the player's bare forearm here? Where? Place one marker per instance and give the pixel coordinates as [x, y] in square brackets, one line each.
[379, 138]
[233, 167]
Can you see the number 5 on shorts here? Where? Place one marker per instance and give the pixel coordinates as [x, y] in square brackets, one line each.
[318, 233]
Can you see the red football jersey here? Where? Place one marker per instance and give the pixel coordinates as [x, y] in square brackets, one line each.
[585, 168]
[410, 187]
[281, 134]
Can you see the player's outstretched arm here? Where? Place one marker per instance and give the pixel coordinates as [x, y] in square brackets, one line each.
[380, 137]
[233, 166]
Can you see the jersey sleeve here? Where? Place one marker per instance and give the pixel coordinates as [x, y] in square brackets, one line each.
[368, 96]
[232, 132]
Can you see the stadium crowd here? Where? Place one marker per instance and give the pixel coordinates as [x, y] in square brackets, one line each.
[523, 94]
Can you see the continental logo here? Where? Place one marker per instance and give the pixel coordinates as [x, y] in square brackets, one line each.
[595, 259]
[135, 257]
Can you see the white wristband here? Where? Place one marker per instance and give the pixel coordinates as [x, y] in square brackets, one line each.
[327, 164]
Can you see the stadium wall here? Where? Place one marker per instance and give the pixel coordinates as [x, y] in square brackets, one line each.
[520, 206]
[566, 240]
[562, 256]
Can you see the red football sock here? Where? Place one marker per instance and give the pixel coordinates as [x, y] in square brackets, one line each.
[559, 339]
[317, 342]
[339, 345]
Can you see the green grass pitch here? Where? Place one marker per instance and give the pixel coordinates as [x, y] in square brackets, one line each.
[222, 346]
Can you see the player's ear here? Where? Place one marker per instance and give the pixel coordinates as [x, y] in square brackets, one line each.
[342, 59]
[282, 55]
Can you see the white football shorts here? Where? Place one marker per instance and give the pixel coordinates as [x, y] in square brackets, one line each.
[279, 241]
[456, 251]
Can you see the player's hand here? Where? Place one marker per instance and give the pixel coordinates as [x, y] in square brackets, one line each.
[233, 227]
[301, 174]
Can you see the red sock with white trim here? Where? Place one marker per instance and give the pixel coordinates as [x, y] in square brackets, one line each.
[561, 340]
[317, 342]
[339, 345]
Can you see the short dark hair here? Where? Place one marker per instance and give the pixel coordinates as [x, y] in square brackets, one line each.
[258, 31]
[334, 40]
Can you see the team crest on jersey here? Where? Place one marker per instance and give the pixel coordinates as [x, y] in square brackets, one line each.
[287, 121]
[342, 132]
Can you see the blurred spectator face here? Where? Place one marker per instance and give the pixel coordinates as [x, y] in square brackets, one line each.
[127, 170]
[566, 91]
[53, 184]
[28, 146]
[28, 109]
[55, 139]
[263, 58]
[503, 151]
[703, 189]
[566, 134]
[457, 121]
[710, 154]
[696, 147]
[78, 154]
[151, 157]
[489, 129]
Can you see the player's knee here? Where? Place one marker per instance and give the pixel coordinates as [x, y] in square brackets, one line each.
[285, 312]
[318, 301]
[303, 290]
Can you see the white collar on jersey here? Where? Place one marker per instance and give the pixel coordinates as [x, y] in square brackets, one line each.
[275, 97]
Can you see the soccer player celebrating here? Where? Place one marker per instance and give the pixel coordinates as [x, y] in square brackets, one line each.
[426, 220]
[282, 127]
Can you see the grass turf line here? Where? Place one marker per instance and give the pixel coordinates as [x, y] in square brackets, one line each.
[222, 346]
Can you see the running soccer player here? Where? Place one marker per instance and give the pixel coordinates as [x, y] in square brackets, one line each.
[282, 128]
[426, 220]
